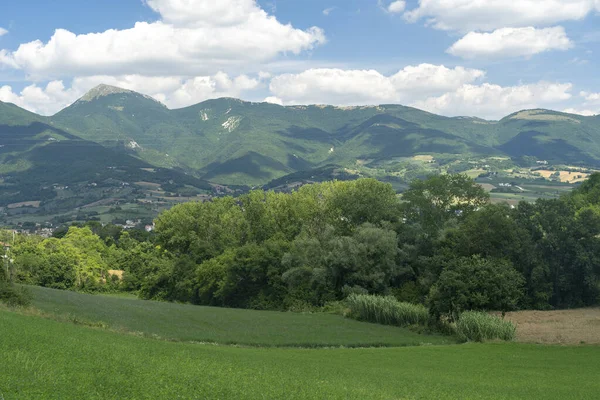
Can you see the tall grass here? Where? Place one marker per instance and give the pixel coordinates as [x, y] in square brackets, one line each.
[479, 326]
[386, 310]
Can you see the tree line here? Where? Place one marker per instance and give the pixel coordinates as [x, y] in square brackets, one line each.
[442, 243]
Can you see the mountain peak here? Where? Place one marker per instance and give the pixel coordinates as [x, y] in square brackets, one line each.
[104, 90]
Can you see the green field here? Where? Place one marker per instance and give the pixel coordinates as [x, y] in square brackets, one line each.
[42, 358]
[183, 322]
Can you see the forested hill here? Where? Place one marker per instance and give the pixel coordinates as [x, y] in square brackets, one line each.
[229, 141]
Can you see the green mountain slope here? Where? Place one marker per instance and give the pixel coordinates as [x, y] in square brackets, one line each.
[229, 141]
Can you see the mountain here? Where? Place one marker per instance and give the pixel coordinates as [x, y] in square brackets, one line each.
[112, 137]
[235, 142]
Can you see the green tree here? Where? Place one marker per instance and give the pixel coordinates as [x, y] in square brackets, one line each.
[475, 283]
[434, 201]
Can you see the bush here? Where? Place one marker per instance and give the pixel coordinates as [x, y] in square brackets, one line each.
[479, 326]
[386, 310]
[14, 296]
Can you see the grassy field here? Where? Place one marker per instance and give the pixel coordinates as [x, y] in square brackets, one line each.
[42, 358]
[225, 326]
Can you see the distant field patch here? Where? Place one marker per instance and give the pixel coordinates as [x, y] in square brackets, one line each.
[423, 157]
[474, 173]
[565, 176]
[34, 204]
[147, 184]
[487, 186]
[558, 327]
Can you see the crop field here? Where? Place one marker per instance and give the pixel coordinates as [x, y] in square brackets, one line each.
[565, 176]
[42, 358]
[581, 326]
[182, 322]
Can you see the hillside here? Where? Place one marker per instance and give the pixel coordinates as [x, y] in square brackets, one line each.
[230, 141]
[243, 144]
[184, 322]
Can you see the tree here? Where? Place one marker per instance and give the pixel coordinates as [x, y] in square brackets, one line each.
[434, 201]
[475, 283]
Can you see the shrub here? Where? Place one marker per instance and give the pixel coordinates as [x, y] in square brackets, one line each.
[479, 326]
[14, 296]
[386, 310]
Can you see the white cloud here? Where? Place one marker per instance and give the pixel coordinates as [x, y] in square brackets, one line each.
[204, 13]
[590, 97]
[494, 101]
[488, 15]
[328, 11]
[356, 87]
[590, 105]
[3, 31]
[44, 100]
[586, 113]
[274, 100]
[397, 6]
[175, 92]
[511, 42]
[194, 37]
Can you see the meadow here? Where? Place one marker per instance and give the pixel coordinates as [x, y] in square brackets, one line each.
[43, 358]
[183, 322]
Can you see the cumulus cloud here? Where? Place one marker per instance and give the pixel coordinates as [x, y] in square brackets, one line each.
[584, 112]
[397, 7]
[495, 101]
[590, 97]
[590, 105]
[274, 100]
[193, 37]
[488, 15]
[3, 31]
[175, 92]
[355, 87]
[511, 42]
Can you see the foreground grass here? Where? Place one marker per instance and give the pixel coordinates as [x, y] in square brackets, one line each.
[225, 326]
[42, 358]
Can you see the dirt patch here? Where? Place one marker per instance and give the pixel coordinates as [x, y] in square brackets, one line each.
[558, 327]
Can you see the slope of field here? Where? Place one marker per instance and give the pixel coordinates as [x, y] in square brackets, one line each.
[41, 358]
[225, 326]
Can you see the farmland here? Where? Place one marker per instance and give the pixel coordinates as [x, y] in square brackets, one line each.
[580, 326]
[43, 358]
[225, 326]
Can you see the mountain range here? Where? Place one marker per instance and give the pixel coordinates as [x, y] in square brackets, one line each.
[113, 133]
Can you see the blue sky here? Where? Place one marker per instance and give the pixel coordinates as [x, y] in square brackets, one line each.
[485, 58]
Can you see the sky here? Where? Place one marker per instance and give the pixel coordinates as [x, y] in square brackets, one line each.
[483, 58]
